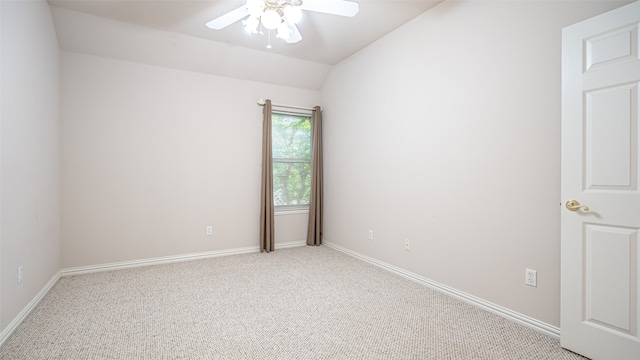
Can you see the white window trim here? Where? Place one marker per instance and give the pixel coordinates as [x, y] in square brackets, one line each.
[292, 209]
[285, 212]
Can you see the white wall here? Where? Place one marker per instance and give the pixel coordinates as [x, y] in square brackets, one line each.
[30, 150]
[447, 132]
[152, 155]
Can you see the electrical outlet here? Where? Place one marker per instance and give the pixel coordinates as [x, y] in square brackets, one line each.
[407, 244]
[530, 277]
[370, 234]
[19, 274]
[209, 230]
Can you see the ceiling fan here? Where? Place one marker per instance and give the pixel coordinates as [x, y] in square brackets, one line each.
[281, 15]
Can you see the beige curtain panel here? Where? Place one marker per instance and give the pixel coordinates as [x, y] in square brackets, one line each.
[314, 232]
[266, 189]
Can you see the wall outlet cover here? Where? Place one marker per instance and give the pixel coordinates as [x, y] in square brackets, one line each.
[19, 274]
[531, 277]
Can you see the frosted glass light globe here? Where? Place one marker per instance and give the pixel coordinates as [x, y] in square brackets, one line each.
[270, 19]
[283, 31]
[251, 25]
[255, 7]
[292, 13]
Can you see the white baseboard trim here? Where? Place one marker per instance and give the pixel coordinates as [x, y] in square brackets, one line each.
[13, 325]
[6, 332]
[291, 244]
[172, 259]
[468, 298]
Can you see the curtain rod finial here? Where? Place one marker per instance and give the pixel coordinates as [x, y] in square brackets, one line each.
[261, 101]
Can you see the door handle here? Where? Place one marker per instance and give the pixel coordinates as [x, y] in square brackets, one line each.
[574, 205]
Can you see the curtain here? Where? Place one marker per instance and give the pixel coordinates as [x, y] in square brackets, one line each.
[314, 232]
[266, 189]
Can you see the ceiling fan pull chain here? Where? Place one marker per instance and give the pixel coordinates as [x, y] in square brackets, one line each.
[269, 39]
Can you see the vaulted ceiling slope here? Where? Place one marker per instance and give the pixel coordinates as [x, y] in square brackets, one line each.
[171, 33]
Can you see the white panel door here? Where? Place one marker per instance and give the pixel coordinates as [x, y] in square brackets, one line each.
[600, 294]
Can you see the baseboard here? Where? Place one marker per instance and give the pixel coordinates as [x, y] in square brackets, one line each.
[468, 298]
[6, 333]
[13, 325]
[172, 259]
[291, 244]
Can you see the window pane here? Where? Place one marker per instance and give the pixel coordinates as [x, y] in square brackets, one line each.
[291, 183]
[291, 146]
[291, 136]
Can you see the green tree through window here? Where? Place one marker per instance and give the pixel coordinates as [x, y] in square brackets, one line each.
[291, 147]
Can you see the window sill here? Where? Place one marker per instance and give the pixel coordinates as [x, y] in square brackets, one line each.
[291, 212]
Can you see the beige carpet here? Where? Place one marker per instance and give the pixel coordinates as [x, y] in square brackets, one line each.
[299, 303]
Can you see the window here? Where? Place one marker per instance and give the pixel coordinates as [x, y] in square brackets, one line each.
[291, 148]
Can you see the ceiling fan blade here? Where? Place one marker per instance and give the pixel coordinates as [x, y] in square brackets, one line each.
[334, 7]
[295, 35]
[227, 19]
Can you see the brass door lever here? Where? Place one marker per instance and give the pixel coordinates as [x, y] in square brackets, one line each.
[574, 205]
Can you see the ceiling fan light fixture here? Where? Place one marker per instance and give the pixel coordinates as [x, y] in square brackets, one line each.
[281, 15]
[270, 19]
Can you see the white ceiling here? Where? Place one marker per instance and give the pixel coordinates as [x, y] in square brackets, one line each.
[327, 39]
[172, 33]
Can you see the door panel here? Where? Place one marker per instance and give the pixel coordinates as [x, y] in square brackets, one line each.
[610, 253]
[621, 45]
[611, 121]
[600, 294]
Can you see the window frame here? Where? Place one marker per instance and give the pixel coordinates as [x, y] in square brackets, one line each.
[292, 209]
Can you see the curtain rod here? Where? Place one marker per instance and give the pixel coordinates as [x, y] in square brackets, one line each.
[261, 102]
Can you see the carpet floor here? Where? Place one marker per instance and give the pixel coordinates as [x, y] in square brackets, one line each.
[297, 303]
